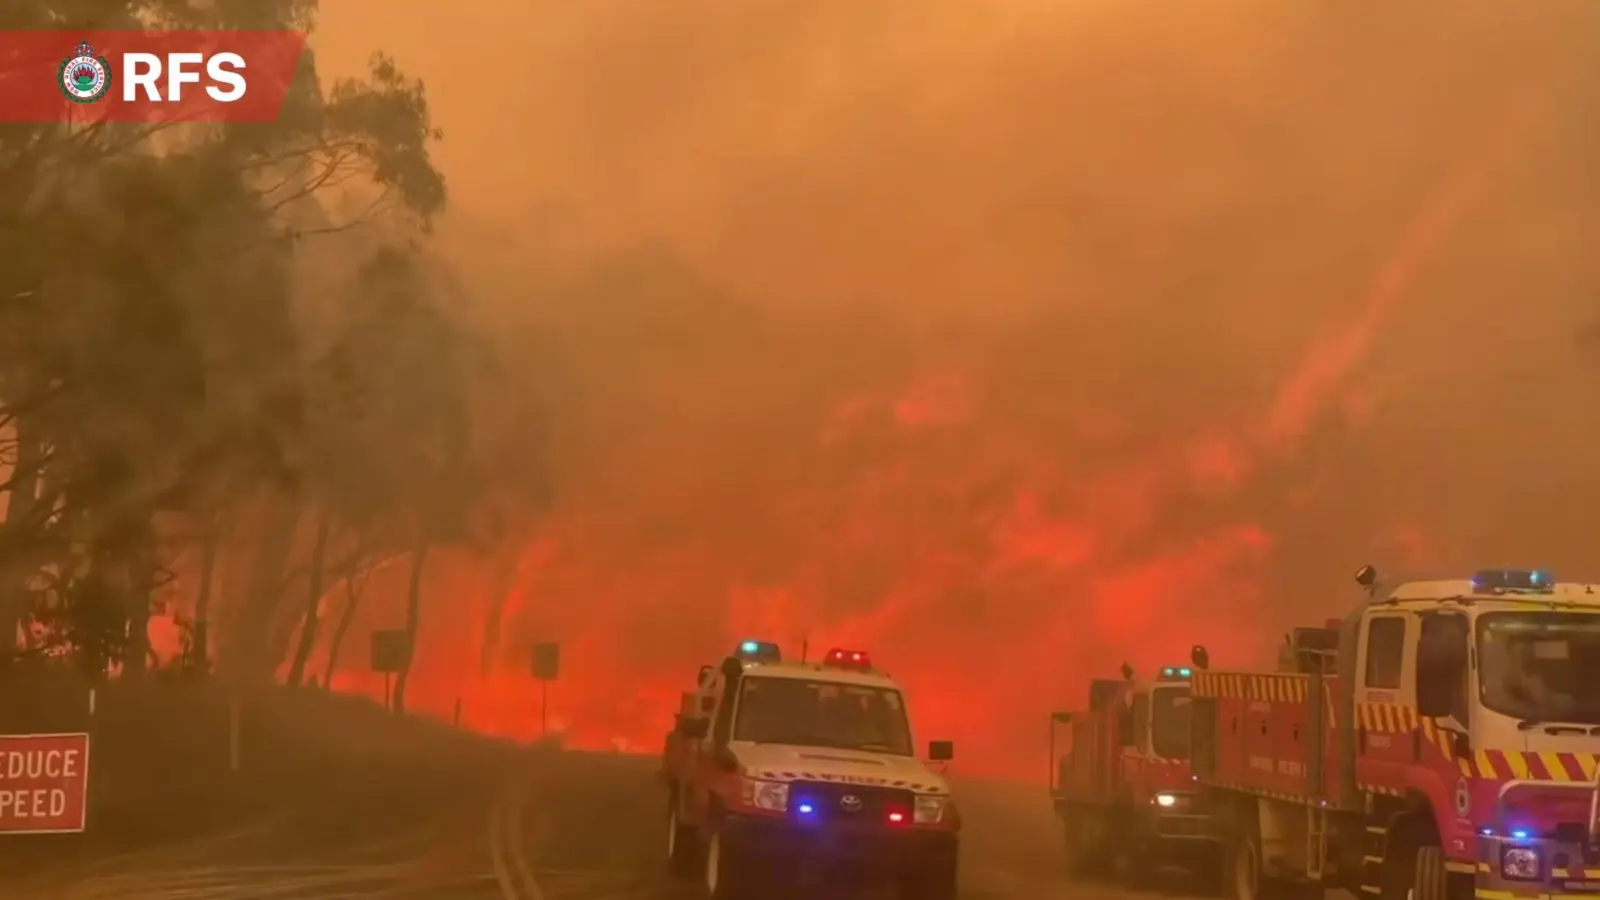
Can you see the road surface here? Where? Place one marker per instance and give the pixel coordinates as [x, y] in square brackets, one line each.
[530, 825]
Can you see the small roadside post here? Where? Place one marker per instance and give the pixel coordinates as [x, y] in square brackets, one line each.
[546, 666]
[391, 653]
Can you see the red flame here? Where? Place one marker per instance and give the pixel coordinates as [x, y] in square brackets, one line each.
[992, 566]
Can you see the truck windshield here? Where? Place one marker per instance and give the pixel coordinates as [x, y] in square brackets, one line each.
[1169, 722]
[822, 714]
[1540, 666]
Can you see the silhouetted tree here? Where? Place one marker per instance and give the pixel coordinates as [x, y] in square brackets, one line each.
[149, 357]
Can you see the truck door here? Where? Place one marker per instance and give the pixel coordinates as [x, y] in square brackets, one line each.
[1105, 701]
[1136, 740]
[1444, 678]
[1386, 694]
[716, 706]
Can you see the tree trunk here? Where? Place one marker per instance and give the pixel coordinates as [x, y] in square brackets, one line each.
[308, 625]
[505, 578]
[353, 591]
[419, 559]
[24, 494]
[138, 580]
[248, 629]
[200, 650]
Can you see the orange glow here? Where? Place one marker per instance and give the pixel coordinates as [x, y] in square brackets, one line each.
[990, 571]
[1007, 367]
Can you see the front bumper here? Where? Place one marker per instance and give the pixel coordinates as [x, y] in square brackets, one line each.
[1562, 871]
[1181, 827]
[773, 842]
[1188, 817]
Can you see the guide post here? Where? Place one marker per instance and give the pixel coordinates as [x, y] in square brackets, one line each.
[391, 653]
[546, 665]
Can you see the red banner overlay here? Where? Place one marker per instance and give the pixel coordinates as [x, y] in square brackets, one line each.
[146, 76]
[44, 783]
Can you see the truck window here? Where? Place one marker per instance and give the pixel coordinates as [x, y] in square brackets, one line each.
[1170, 715]
[1442, 661]
[722, 720]
[1386, 651]
[1141, 720]
[808, 713]
[1127, 729]
[1541, 665]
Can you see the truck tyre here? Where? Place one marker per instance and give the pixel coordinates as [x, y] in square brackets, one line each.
[1084, 835]
[935, 881]
[1244, 868]
[1429, 880]
[1136, 867]
[1213, 874]
[728, 875]
[683, 841]
[1072, 845]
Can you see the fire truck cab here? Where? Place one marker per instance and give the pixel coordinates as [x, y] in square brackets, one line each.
[1442, 747]
[1122, 788]
[789, 771]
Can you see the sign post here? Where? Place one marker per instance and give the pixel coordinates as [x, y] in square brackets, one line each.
[391, 653]
[546, 666]
[44, 783]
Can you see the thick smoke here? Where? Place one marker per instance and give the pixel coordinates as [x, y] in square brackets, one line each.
[1008, 338]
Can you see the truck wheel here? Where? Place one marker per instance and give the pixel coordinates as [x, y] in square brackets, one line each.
[1135, 867]
[1084, 834]
[1429, 881]
[1244, 869]
[1072, 846]
[1212, 873]
[727, 875]
[683, 842]
[936, 881]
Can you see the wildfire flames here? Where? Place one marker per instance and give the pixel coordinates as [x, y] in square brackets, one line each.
[997, 508]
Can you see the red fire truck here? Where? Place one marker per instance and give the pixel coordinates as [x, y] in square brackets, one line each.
[780, 772]
[1439, 743]
[1123, 789]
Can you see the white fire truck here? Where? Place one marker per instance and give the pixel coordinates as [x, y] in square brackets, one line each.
[792, 772]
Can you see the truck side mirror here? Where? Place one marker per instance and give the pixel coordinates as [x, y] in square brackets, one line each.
[694, 729]
[941, 751]
[1199, 657]
[1367, 576]
[706, 673]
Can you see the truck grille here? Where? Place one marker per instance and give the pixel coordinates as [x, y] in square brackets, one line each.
[829, 802]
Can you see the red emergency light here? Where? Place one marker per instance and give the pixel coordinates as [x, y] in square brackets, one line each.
[848, 659]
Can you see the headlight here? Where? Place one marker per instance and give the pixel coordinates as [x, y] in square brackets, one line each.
[929, 809]
[1520, 863]
[768, 795]
[1165, 800]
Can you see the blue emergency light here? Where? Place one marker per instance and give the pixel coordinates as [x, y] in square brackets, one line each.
[1176, 673]
[759, 651]
[1496, 580]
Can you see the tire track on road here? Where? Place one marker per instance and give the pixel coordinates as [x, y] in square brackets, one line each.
[507, 847]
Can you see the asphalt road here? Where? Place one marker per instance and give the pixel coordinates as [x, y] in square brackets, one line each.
[501, 825]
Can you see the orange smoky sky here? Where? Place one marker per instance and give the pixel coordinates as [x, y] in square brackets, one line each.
[1009, 339]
